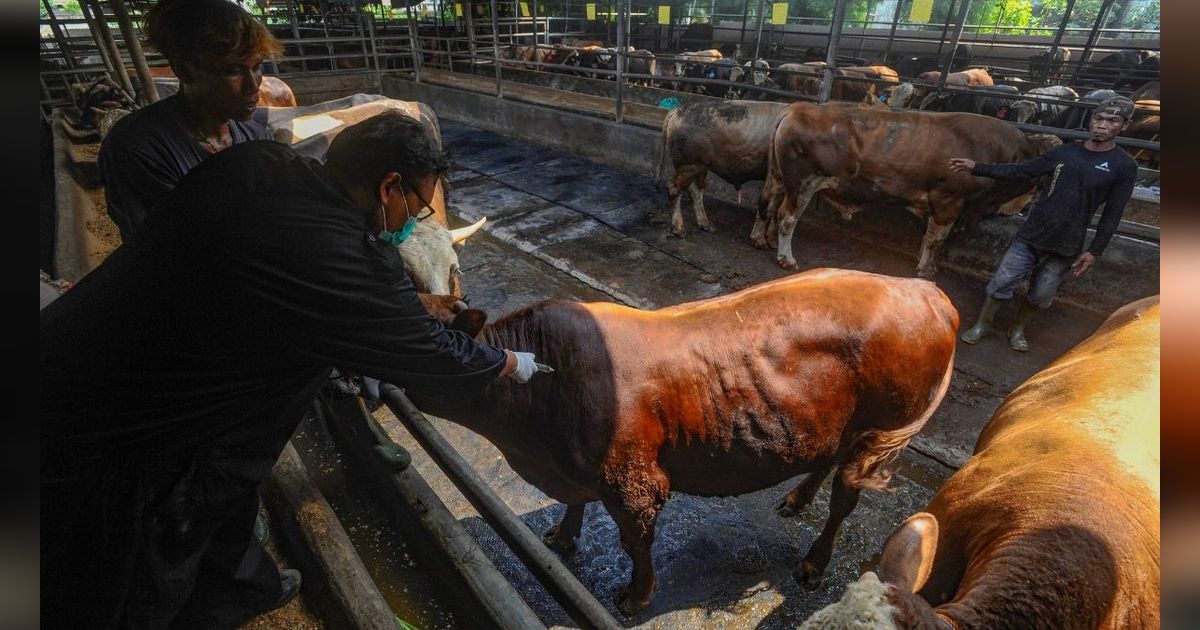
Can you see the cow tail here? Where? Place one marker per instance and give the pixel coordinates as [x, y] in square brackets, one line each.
[662, 150]
[874, 449]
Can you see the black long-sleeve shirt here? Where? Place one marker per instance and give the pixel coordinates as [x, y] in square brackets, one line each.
[217, 317]
[1080, 180]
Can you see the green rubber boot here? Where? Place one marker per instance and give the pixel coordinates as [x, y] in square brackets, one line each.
[1016, 332]
[974, 333]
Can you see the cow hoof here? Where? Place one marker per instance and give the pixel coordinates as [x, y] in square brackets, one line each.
[627, 605]
[760, 244]
[787, 263]
[808, 576]
[555, 543]
[708, 227]
[926, 274]
[677, 233]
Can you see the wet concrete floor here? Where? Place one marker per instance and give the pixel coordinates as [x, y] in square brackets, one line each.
[566, 228]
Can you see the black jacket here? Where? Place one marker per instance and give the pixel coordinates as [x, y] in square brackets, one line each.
[174, 373]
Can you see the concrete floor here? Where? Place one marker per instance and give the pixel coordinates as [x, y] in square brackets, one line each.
[563, 227]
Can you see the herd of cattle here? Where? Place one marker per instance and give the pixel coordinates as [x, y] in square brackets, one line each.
[907, 86]
[855, 155]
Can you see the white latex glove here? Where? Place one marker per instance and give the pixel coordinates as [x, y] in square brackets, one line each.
[526, 367]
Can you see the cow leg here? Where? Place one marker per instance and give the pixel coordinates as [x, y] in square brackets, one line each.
[696, 190]
[790, 210]
[561, 537]
[640, 499]
[764, 221]
[684, 176]
[937, 228]
[841, 504]
[800, 496]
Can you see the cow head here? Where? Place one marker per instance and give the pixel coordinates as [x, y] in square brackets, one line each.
[1022, 111]
[454, 313]
[889, 599]
[431, 260]
[901, 95]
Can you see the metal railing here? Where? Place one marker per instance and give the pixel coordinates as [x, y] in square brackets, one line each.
[481, 43]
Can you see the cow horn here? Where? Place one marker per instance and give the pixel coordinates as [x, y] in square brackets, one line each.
[461, 234]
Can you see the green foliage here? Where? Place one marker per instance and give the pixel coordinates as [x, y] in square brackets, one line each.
[993, 15]
[62, 9]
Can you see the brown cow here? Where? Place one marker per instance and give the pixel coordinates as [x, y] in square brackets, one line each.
[728, 138]
[858, 157]
[1054, 522]
[921, 90]
[814, 372]
[273, 92]
[855, 83]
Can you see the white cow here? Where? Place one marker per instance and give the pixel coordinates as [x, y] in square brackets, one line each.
[429, 254]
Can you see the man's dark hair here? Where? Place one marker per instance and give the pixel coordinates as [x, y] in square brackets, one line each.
[214, 31]
[367, 151]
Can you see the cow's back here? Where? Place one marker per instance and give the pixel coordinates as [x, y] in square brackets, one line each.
[1065, 485]
[780, 374]
[896, 149]
[768, 379]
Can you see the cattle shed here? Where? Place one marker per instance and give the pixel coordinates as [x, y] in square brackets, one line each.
[552, 113]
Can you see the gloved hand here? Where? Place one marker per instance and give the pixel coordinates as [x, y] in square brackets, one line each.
[526, 367]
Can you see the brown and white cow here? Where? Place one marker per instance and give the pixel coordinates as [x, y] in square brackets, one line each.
[828, 370]
[860, 157]
[1054, 522]
[727, 138]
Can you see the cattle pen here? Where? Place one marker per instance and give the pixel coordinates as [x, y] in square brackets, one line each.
[552, 113]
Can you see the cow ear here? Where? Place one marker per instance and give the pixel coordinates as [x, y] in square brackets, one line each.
[908, 553]
[470, 321]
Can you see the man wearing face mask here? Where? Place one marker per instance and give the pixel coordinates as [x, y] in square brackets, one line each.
[186, 359]
[216, 49]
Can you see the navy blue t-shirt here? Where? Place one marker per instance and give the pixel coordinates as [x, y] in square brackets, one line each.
[147, 152]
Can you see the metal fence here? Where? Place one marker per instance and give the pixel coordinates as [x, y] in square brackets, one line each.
[493, 39]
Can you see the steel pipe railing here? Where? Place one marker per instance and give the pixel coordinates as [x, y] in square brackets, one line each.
[543, 563]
